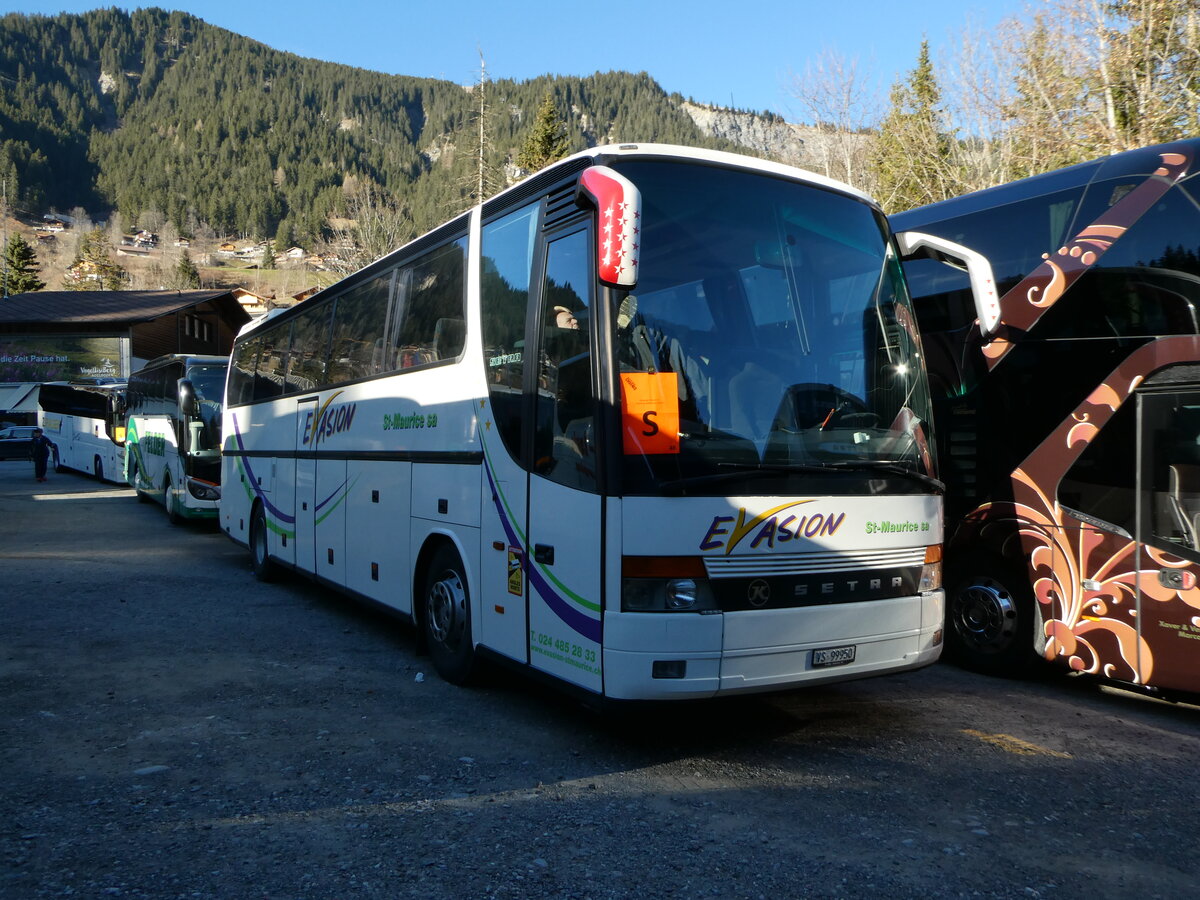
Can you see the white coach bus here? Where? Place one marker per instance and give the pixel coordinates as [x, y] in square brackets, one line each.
[173, 434]
[653, 421]
[85, 420]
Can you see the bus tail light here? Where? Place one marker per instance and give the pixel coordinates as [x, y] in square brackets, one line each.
[931, 572]
[665, 584]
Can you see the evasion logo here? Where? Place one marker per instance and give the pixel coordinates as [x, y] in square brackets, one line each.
[328, 420]
[769, 527]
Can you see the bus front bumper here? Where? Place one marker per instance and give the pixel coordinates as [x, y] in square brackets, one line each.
[652, 656]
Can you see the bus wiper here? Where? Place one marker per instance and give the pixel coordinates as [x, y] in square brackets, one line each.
[757, 470]
[892, 468]
[735, 471]
[745, 470]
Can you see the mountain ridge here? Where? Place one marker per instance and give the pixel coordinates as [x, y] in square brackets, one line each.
[158, 111]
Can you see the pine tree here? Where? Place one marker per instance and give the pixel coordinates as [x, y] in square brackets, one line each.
[1045, 109]
[20, 267]
[914, 153]
[187, 276]
[93, 268]
[547, 141]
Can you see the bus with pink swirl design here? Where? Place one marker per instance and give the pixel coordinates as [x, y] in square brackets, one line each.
[1069, 425]
[653, 422]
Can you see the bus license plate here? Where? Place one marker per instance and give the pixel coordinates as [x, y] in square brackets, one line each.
[833, 656]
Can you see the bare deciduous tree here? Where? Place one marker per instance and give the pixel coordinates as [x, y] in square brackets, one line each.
[375, 223]
[837, 95]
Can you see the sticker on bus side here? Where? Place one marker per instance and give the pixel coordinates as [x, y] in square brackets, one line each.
[516, 575]
[649, 412]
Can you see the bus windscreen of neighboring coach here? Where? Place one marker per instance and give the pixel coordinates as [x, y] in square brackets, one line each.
[770, 335]
[209, 384]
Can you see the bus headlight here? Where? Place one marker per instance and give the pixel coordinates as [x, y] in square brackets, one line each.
[931, 572]
[666, 595]
[665, 584]
[203, 490]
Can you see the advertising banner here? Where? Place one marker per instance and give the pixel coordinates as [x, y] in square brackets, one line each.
[61, 357]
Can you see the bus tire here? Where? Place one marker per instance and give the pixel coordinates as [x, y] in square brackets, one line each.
[98, 468]
[990, 615]
[447, 617]
[260, 557]
[170, 503]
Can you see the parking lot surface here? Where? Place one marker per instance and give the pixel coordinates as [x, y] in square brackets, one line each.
[171, 727]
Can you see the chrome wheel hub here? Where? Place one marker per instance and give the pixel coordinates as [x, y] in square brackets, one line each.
[985, 616]
[447, 610]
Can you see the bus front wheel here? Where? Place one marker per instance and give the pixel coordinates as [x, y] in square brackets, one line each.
[171, 503]
[260, 557]
[990, 621]
[447, 618]
[98, 468]
[135, 478]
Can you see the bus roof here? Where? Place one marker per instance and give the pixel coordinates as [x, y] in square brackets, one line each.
[188, 359]
[609, 153]
[1143, 160]
[563, 168]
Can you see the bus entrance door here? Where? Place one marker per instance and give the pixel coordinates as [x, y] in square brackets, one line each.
[565, 537]
[1168, 428]
[565, 553]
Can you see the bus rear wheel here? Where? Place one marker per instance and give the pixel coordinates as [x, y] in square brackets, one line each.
[990, 619]
[260, 557]
[447, 618]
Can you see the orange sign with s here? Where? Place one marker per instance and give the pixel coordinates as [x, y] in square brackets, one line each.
[649, 412]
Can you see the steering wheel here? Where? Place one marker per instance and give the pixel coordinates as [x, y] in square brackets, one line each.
[825, 406]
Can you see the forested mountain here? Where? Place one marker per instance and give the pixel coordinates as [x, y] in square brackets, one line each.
[157, 110]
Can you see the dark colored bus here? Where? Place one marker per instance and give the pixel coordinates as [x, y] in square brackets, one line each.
[1069, 425]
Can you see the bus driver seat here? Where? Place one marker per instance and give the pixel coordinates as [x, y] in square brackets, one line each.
[1185, 501]
[754, 394]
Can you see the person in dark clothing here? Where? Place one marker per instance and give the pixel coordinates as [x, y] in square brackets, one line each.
[40, 449]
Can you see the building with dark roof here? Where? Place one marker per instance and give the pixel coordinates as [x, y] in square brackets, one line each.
[65, 335]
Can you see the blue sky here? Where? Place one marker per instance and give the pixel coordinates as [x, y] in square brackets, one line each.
[737, 52]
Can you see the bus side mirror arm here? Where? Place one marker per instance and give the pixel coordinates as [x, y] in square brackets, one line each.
[917, 245]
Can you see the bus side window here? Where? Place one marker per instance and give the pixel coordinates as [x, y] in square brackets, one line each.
[272, 363]
[505, 268]
[436, 290]
[1170, 437]
[1101, 483]
[310, 345]
[359, 322]
[564, 450]
[241, 374]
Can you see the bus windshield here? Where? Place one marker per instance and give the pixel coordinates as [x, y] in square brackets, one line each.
[782, 312]
[209, 384]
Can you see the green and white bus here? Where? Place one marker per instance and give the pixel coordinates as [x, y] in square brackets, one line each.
[173, 434]
[653, 422]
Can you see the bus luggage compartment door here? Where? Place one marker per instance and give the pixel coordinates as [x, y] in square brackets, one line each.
[306, 489]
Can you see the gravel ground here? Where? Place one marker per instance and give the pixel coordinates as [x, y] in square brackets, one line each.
[172, 728]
